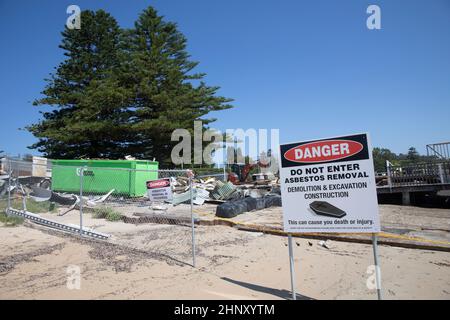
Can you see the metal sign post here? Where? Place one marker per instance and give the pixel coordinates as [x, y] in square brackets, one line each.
[292, 266]
[192, 222]
[377, 266]
[24, 199]
[9, 188]
[81, 200]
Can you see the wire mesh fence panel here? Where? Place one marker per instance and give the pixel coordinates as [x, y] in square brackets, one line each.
[4, 187]
[4, 177]
[18, 180]
[217, 176]
[118, 194]
[215, 173]
[95, 198]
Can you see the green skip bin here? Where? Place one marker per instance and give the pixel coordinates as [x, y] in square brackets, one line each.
[126, 177]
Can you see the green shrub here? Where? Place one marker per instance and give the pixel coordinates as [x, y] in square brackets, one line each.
[107, 213]
[100, 213]
[114, 216]
[41, 207]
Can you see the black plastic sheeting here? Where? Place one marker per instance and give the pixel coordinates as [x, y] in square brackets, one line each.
[231, 209]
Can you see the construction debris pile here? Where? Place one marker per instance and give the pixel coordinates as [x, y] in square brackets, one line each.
[232, 199]
[237, 191]
[203, 190]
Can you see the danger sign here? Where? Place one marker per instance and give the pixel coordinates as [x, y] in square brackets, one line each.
[159, 190]
[328, 185]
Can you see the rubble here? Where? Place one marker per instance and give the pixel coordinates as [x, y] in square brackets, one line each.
[258, 193]
[182, 197]
[223, 191]
[233, 199]
[325, 244]
[201, 196]
[39, 195]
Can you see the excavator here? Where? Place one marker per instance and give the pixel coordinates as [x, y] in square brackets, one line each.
[239, 171]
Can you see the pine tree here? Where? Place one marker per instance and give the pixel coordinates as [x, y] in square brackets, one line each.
[83, 93]
[123, 92]
[162, 78]
[413, 155]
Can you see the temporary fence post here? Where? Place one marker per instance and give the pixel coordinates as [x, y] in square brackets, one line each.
[388, 172]
[291, 262]
[377, 266]
[192, 222]
[9, 187]
[81, 199]
[24, 200]
[441, 173]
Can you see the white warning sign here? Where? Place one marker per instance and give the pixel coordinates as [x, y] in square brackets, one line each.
[328, 185]
[159, 190]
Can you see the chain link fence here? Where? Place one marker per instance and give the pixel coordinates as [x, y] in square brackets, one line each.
[121, 194]
[216, 173]
[83, 196]
[16, 177]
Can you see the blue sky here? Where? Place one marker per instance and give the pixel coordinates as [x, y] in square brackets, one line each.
[309, 68]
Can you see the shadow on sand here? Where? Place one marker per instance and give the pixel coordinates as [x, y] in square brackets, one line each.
[284, 294]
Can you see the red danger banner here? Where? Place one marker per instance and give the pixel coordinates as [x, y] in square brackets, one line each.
[348, 148]
[156, 184]
[323, 151]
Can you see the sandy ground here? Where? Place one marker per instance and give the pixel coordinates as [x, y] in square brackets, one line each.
[427, 223]
[152, 261]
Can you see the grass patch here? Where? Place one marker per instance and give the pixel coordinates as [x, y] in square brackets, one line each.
[114, 216]
[32, 206]
[99, 213]
[44, 206]
[107, 213]
[10, 221]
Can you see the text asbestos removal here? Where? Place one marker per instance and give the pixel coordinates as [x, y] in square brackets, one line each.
[323, 173]
[326, 173]
[350, 170]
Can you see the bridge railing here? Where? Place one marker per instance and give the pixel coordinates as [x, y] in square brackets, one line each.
[418, 174]
[439, 150]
